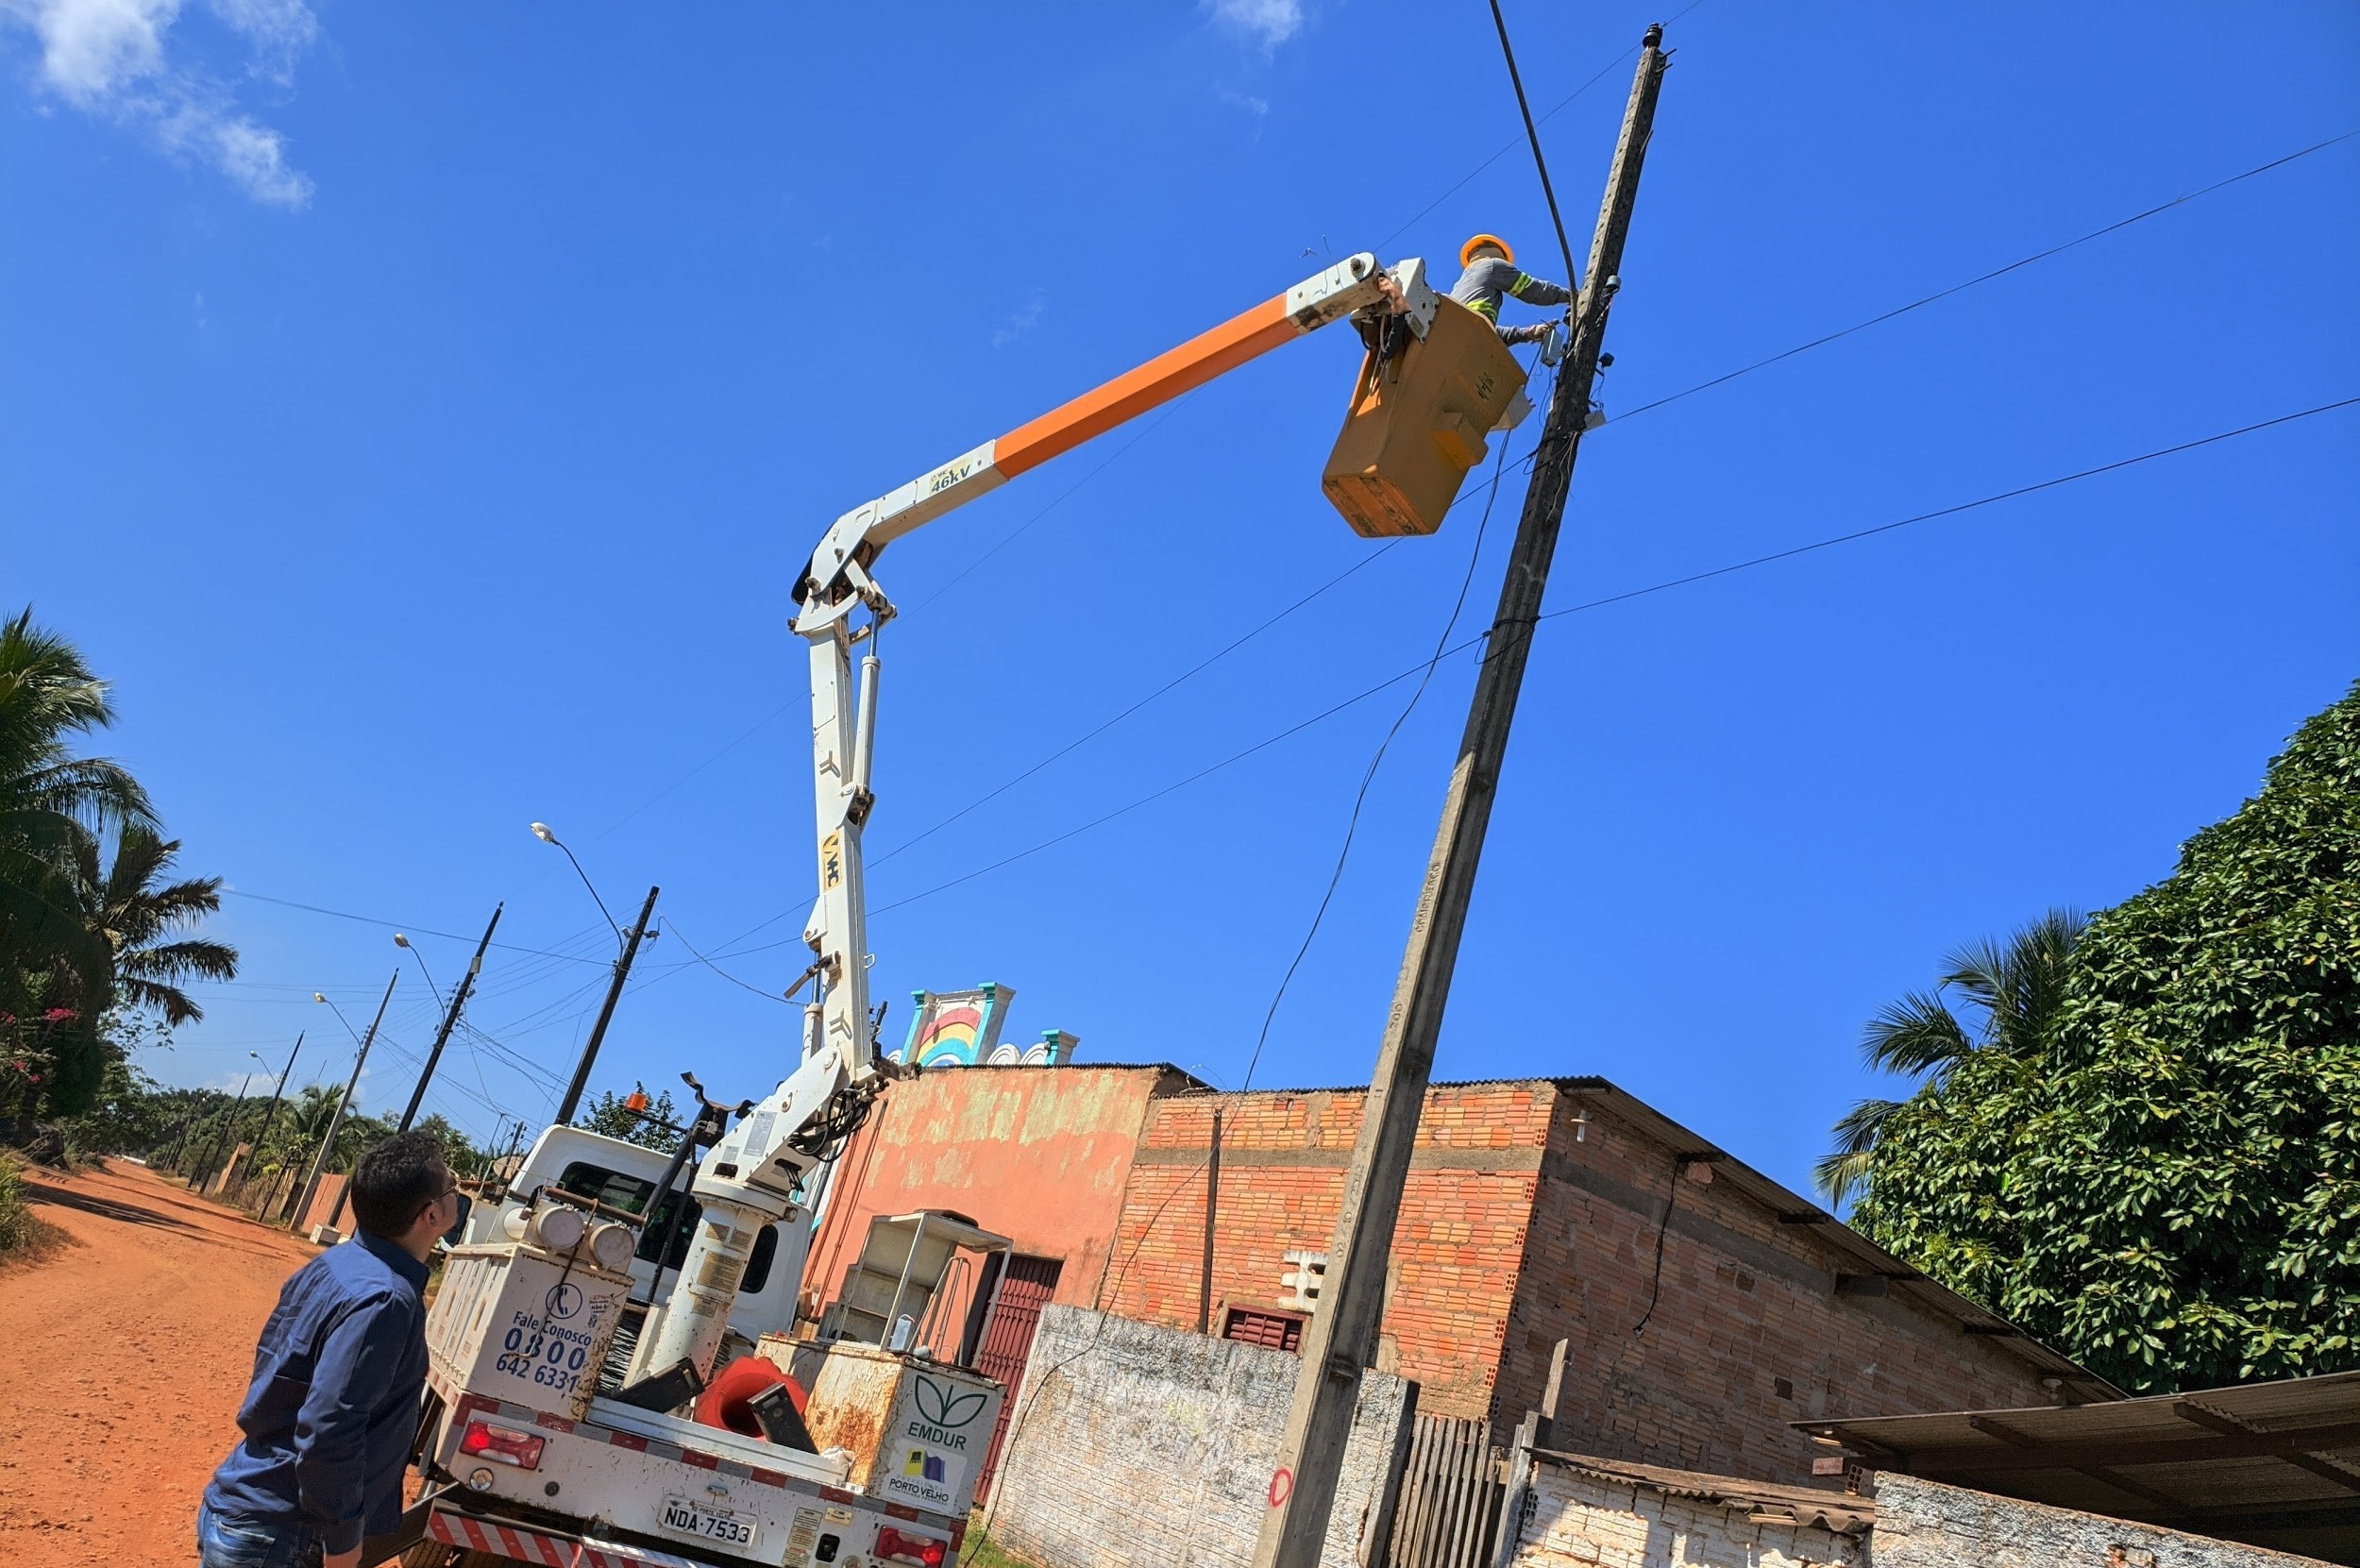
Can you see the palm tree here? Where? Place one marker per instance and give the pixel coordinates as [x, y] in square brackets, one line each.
[50, 803]
[139, 921]
[133, 954]
[2012, 993]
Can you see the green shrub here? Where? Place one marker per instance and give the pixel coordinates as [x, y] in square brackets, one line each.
[21, 1230]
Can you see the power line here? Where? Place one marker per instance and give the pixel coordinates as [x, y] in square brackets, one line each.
[1817, 342]
[1948, 510]
[1062, 496]
[1614, 599]
[1368, 777]
[1995, 272]
[1509, 146]
[1490, 487]
[671, 928]
[1178, 680]
[401, 925]
[1532, 134]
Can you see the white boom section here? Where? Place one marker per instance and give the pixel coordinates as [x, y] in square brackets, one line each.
[753, 1176]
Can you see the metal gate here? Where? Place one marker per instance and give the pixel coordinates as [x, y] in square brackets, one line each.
[1025, 1287]
[1450, 1495]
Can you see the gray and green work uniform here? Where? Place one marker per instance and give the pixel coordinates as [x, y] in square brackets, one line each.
[1482, 285]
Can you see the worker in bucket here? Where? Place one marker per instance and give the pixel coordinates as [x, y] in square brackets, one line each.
[330, 1417]
[1490, 274]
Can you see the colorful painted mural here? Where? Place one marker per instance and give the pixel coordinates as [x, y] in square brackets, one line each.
[961, 1028]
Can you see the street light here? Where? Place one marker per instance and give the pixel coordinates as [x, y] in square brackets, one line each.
[336, 1119]
[270, 1117]
[615, 988]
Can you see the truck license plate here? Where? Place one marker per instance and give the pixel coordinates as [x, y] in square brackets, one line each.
[682, 1517]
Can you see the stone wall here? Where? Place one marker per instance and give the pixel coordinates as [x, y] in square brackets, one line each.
[1927, 1525]
[1583, 1520]
[1140, 1447]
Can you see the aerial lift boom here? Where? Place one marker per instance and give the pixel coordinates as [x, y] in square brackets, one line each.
[757, 1173]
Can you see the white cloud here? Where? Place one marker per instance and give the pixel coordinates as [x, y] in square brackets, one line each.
[1270, 23]
[280, 30]
[252, 156]
[1019, 323]
[92, 48]
[111, 58]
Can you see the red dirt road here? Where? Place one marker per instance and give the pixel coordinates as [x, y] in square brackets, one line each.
[125, 1357]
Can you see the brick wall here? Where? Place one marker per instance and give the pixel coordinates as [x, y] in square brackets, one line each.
[1927, 1525]
[1584, 1521]
[1746, 1333]
[1456, 1253]
[1138, 1446]
[1530, 1215]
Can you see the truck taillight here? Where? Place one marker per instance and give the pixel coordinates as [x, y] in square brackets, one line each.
[915, 1549]
[507, 1446]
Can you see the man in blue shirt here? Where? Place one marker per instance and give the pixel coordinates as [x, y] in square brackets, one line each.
[333, 1407]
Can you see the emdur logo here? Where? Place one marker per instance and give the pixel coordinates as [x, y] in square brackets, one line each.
[942, 1410]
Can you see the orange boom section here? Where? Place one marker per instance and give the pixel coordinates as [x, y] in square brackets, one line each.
[1161, 379]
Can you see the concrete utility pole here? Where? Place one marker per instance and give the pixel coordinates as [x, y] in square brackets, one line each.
[451, 1018]
[270, 1117]
[613, 994]
[1341, 1341]
[336, 1118]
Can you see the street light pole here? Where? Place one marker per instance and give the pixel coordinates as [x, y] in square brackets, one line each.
[270, 1117]
[631, 941]
[229, 1130]
[336, 1118]
[613, 994]
[451, 1014]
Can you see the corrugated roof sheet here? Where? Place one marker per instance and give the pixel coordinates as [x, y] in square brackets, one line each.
[2271, 1464]
[1761, 1501]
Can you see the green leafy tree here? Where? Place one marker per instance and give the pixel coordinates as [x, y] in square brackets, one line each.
[138, 956]
[2170, 1191]
[2011, 994]
[87, 923]
[611, 1114]
[49, 799]
[458, 1150]
[131, 1114]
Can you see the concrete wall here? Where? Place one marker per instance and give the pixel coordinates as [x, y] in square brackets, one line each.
[1582, 1520]
[1137, 1447]
[1039, 1154]
[324, 1198]
[1926, 1525]
[1747, 1334]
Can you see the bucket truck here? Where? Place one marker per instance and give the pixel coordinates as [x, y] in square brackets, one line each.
[543, 1450]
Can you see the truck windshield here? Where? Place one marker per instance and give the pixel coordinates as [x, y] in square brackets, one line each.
[622, 1190]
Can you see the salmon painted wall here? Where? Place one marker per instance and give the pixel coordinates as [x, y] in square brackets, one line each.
[1039, 1154]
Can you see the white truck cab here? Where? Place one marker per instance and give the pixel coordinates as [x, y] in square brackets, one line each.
[623, 1176]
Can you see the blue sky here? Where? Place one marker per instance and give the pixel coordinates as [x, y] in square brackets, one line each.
[419, 412]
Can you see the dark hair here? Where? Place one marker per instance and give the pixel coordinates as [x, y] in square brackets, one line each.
[395, 1180]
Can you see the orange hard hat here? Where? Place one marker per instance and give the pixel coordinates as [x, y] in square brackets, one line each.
[1466, 252]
